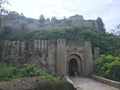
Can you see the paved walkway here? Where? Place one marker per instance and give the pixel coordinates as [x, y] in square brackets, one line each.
[83, 83]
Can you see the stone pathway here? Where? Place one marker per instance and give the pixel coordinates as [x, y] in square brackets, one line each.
[83, 83]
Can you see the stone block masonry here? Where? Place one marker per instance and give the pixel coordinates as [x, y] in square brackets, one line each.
[51, 56]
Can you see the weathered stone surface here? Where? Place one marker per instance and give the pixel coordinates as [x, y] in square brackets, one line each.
[107, 81]
[52, 56]
[96, 52]
[76, 20]
[34, 83]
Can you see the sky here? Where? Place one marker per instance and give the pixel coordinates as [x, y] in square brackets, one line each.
[108, 10]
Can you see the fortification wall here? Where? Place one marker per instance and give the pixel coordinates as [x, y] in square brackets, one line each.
[40, 52]
[52, 56]
[79, 23]
[77, 20]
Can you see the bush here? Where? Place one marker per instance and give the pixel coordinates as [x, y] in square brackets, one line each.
[5, 72]
[50, 79]
[108, 67]
[8, 72]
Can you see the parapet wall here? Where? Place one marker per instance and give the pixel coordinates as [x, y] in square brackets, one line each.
[107, 81]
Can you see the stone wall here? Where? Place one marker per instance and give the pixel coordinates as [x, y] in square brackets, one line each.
[82, 52]
[107, 81]
[52, 56]
[40, 52]
[95, 24]
[77, 20]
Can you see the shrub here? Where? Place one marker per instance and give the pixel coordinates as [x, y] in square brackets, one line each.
[108, 67]
[7, 72]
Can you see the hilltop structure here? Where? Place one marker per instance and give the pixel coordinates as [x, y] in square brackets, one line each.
[21, 23]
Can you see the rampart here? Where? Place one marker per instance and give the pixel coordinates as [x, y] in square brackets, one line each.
[52, 56]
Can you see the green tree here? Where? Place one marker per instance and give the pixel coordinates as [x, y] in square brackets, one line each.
[116, 31]
[108, 66]
[54, 20]
[3, 10]
[42, 19]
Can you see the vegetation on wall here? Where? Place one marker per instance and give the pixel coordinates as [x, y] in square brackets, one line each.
[108, 66]
[108, 43]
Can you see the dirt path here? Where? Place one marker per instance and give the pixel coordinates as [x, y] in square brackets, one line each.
[83, 83]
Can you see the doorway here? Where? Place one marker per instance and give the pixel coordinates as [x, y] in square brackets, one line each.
[73, 67]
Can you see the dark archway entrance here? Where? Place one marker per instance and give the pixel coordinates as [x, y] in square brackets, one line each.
[73, 67]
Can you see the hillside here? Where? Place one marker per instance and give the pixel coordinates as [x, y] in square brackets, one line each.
[18, 27]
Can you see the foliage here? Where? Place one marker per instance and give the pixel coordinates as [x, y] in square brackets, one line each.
[108, 43]
[3, 10]
[55, 20]
[8, 72]
[26, 71]
[42, 19]
[5, 71]
[14, 15]
[116, 31]
[50, 79]
[63, 77]
[108, 66]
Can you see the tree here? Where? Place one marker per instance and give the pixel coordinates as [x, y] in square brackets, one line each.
[116, 30]
[48, 19]
[54, 20]
[42, 19]
[2, 9]
[108, 66]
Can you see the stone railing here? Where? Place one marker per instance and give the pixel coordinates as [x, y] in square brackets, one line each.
[106, 81]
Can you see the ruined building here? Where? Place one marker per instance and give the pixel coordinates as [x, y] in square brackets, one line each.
[78, 20]
[57, 57]
[72, 21]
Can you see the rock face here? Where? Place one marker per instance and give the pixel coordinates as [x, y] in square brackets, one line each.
[52, 56]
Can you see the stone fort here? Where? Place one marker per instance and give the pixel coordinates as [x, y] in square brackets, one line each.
[57, 57]
[27, 24]
[76, 20]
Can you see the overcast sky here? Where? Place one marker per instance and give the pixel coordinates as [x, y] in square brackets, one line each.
[108, 10]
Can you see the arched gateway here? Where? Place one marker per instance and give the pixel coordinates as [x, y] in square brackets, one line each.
[74, 65]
